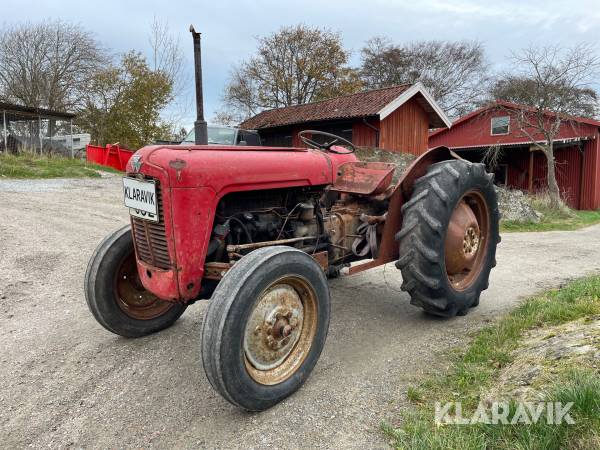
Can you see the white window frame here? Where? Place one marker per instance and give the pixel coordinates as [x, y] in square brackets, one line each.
[492, 126]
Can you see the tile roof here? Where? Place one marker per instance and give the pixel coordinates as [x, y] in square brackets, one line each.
[362, 104]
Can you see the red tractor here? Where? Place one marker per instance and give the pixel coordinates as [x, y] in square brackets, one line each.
[258, 230]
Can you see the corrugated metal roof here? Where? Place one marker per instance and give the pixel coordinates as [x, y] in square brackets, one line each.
[362, 104]
[509, 105]
[11, 107]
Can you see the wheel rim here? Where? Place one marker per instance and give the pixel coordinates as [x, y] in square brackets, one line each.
[280, 330]
[130, 295]
[467, 240]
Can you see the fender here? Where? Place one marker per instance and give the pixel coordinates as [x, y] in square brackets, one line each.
[388, 247]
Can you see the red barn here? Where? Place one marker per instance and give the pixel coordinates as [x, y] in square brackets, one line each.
[396, 118]
[521, 164]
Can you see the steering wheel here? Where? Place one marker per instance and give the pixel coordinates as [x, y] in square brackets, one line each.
[326, 145]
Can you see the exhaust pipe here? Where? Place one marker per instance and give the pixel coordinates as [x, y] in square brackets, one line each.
[200, 130]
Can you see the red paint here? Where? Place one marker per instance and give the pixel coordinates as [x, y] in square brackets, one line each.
[110, 156]
[191, 195]
[476, 132]
[579, 190]
[363, 135]
[568, 172]
[406, 129]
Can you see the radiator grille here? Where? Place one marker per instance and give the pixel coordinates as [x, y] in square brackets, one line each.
[151, 239]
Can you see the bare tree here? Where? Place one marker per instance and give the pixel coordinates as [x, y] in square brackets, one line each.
[555, 85]
[492, 157]
[295, 65]
[48, 64]
[227, 118]
[456, 73]
[167, 58]
[167, 55]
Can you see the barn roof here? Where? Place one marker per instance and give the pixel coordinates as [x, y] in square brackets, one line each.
[376, 102]
[514, 106]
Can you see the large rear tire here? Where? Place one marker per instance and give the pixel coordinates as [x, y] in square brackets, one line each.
[115, 295]
[265, 327]
[448, 237]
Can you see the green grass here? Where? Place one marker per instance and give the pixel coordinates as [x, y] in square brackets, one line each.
[476, 368]
[578, 219]
[28, 165]
[553, 219]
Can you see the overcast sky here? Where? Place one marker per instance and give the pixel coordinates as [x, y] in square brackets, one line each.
[229, 28]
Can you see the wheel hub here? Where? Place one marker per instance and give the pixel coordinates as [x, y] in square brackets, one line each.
[466, 240]
[471, 241]
[274, 327]
[130, 295]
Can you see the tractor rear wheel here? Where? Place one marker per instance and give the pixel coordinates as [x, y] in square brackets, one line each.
[265, 327]
[115, 295]
[448, 237]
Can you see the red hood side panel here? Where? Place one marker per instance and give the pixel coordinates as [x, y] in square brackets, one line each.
[223, 168]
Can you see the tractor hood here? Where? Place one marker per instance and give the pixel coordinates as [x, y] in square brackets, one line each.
[223, 167]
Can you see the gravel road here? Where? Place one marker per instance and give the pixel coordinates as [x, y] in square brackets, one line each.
[66, 382]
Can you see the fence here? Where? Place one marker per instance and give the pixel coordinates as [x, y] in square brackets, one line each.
[24, 129]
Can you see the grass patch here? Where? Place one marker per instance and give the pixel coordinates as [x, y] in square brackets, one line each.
[579, 219]
[29, 165]
[414, 394]
[477, 367]
[553, 219]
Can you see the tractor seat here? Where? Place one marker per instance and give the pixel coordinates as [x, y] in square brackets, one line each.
[364, 178]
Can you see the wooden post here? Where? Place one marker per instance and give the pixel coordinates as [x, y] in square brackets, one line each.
[40, 133]
[581, 176]
[72, 152]
[5, 130]
[530, 184]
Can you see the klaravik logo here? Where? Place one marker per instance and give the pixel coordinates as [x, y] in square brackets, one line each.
[553, 413]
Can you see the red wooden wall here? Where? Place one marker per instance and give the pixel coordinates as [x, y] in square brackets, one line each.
[577, 171]
[568, 172]
[363, 135]
[590, 192]
[476, 132]
[406, 129]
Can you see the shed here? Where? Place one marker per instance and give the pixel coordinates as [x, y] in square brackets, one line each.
[396, 118]
[521, 165]
[24, 128]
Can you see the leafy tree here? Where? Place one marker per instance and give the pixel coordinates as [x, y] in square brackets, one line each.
[555, 84]
[124, 103]
[297, 64]
[48, 64]
[455, 73]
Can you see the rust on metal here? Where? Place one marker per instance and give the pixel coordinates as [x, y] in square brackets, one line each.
[466, 240]
[322, 258]
[388, 247]
[130, 295]
[216, 270]
[462, 239]
[254, 245]
[364, 178]
[178, 165]
[280, 330]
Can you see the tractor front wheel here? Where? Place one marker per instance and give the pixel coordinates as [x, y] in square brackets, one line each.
[265, 327]
[115, 295]
[448, 237]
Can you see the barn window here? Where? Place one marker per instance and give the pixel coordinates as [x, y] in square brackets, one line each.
[500, 125]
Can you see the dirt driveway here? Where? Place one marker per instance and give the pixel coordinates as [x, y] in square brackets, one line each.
[65, 381]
